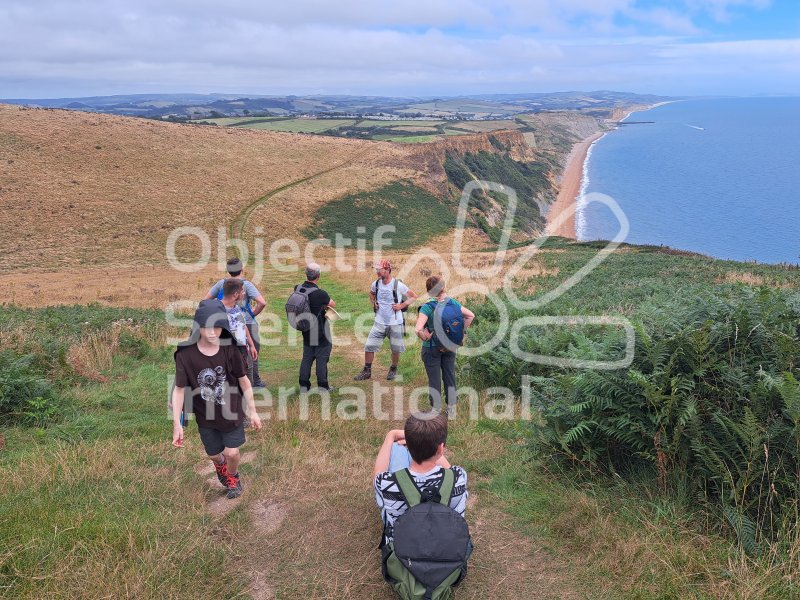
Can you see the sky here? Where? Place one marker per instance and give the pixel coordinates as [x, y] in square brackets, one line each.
[57, 48]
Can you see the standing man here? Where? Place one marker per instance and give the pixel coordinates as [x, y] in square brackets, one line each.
[232, 294]
[390, 298]
[442, 316]
[251, 294]
[317, 341]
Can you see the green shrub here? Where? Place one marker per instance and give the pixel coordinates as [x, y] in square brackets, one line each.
[26, 397]
[711, 401]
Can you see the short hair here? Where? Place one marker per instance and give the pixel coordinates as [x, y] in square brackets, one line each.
[235, 266]
[231, 286]
[434, 285]
[312, 271]
[424, 434]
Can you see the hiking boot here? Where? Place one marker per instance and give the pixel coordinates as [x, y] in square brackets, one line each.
[392, 374]
[364, 375]
[222, 473]
[234, 485]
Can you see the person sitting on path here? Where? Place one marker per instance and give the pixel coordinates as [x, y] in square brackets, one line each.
[390, 299]
[418, 447]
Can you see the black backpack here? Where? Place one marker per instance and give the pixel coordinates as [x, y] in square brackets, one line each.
[431, 543]
[298, 309]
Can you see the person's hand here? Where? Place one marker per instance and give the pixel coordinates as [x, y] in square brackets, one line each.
[255, 422]
[397, 307]
[177, 435]
[425, 335]
[253, 353]
[375, 306]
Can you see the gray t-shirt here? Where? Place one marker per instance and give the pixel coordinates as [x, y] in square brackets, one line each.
[251, 294]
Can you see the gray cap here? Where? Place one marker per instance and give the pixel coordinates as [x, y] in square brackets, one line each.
[234, 265]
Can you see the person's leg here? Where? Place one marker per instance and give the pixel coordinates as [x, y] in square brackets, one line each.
[213, 444]
[374, 342]
[399, 458]
[232, 457]
[431, 358]
[305, 367]
[398, 346]
[449, 377]
[232, 440]
[253, 327]
[323, 354]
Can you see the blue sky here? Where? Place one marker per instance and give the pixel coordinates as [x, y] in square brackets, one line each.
[52, 48]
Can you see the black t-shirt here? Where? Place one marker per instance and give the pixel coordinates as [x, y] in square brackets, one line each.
[216, 399]
[318, 300]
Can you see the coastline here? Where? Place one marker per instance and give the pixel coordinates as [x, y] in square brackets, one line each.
[564, 208]
[569, 189]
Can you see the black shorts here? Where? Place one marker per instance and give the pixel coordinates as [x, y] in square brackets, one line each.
[215, 441]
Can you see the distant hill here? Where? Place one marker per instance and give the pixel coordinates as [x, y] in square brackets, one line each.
[203, 106]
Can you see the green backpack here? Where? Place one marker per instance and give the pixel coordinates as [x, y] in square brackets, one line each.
[431, 543]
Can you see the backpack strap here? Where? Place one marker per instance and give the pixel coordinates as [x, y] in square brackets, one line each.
[446, 489]
[407, 487]
[412, 495]
[394, 292]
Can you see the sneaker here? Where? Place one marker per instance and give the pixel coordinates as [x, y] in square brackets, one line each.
[364, 375]
[222, 473]
[259, 384]
[234, 485]
[392, 373]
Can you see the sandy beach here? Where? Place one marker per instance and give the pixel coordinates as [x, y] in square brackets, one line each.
[568, 190]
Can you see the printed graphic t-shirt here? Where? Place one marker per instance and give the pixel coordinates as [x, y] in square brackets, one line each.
[236, 320]
[385, 296]
[216, 399]
[389, 497]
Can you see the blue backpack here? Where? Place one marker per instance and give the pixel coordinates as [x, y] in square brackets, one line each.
[447, 326]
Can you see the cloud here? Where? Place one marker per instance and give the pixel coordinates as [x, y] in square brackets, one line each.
[404, 47]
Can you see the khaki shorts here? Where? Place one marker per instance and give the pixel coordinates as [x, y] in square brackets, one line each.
[379, 332]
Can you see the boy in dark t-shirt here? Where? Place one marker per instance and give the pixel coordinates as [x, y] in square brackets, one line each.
[210, 367]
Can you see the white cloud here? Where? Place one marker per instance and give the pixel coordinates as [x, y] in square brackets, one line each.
[401, 47]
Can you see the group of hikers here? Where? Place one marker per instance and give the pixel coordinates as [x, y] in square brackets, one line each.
[425, 542]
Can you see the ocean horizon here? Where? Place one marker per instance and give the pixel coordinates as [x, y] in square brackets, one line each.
[714, 176]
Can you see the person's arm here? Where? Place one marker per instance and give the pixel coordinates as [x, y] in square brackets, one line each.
[332, 304]
[469, 316]
[373, 297]
[213, 292]
[419, 327]
[251, 344]
[250, 403]
[410, 297]
[177, 409]
[260, 305]
[382, 461]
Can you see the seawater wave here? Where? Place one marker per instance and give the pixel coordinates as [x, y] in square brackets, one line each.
[714, 176]
[581, 225]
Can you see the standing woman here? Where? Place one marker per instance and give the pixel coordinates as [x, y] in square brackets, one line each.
[439, 318]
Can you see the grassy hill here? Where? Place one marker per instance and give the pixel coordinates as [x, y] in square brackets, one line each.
[96, 503]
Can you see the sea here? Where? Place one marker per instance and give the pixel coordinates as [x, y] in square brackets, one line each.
[716, 176]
